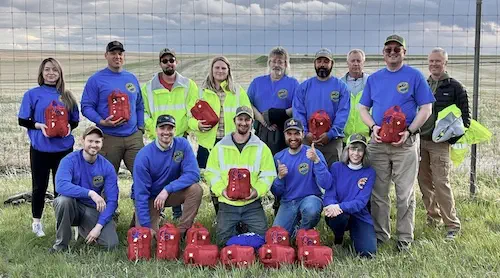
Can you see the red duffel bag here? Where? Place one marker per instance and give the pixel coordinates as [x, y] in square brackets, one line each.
[315, 256]
[56, 120]
[277, 235]
[237, 255]
[307, 237]
[273, 255]
[168, 238]
[201, 255]
[139, 243]
[319, 123]
[203, 111]
[393, 123]
[239, 183]
[198, 235]
[119, 105]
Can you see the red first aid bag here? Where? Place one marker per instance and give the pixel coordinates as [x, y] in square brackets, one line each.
[393, 123]
[139, 243]
[315, 256]
[56, 120]
[277, 235]
[307, 237]
[237, 255]
[319, 123]
[168, 238]
[203, 111]
[198, 235]
[238, 183]
[273, 255]
[201, 255]
[119, 105]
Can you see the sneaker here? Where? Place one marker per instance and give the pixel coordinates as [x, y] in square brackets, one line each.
[451, 235]
[37, 229]
[403, 246]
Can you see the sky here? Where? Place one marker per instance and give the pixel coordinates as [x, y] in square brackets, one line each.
[247, 27]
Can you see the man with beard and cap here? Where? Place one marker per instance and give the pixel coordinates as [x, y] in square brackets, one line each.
[302, 172]
[168, 92]
[240, 149]
[328, 93]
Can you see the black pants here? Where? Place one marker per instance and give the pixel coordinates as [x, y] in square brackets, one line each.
[41, 165]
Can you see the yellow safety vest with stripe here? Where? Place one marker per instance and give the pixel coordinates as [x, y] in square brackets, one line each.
[231, 102]
[255, 156]
[354, 122]
[158, 101]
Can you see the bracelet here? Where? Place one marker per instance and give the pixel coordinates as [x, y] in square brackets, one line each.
[373, 125]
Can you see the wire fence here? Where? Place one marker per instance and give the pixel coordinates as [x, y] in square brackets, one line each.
[76, 33]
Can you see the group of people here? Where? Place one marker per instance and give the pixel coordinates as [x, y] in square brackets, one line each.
[344, 173]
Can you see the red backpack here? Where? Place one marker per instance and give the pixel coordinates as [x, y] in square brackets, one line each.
[139, 243]
[315, 256]
[277, 235]
[168, 238]
[56, 120]
[119, 105]
[319, 123]
[237, 255]
[273, 255]
[307, 237]
[393, 123]
[201, 255]
[198, 235]
[239, 183]
[203, 111]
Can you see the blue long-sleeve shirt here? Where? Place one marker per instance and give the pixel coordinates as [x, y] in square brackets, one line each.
[264, 93]
[331, 95]
[351, 189]
[155, 169]
[75, 177]
[95, 100]
[304, 177]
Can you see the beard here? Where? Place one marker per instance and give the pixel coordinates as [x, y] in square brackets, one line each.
[323, 72]
[293, 146]
[169, 71]
[242, 130]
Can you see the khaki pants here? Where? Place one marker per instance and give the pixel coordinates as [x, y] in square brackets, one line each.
[433, 178]
[116, 149]
[190, 197]
[331, 151]
[399, 164]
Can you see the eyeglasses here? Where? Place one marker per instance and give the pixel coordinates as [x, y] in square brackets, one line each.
[356, 149]
[171, 60]
[396, 49]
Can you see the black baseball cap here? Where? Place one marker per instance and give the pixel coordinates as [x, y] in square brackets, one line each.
[93, 129]
[165, 120]
[293, 124]
[114, 45]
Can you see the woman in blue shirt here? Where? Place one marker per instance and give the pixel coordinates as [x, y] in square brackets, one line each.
[346, 201]
[46, 152]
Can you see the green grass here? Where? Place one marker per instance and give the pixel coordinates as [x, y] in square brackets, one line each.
[475, 253]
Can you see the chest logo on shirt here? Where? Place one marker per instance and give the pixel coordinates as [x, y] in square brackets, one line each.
[335, 96]
[178, 156]
[362, 182]
[403, 87]
[283, 93]
[98, 181]
[131, 87]
[303, 168]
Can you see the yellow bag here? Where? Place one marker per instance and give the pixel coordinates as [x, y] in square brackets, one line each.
[475, 134]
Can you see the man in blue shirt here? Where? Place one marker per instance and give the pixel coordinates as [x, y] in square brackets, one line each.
[123, 139]
[80, 180]
[405, 86]
[166, 173]
[302, 173]
[328, 93]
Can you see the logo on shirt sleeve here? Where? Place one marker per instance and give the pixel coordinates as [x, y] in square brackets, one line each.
[178, 156]
[335, 96]
[131, 87]
[362, 182]
[303, 168]
[283, 93]
[403, 87]
[98, 181]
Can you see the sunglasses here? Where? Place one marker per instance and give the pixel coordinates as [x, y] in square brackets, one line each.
[171, 60]
[396, 49]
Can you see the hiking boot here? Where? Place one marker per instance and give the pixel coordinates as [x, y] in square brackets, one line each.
[451, 235]
[403, 246]
[37, 229]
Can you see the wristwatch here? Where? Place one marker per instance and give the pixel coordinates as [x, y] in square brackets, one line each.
[413, 132]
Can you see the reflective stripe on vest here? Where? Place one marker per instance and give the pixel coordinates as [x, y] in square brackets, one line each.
[153, 109]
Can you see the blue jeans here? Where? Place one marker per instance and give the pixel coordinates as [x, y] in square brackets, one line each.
[362, 233]
[307, 210]
[229, 217]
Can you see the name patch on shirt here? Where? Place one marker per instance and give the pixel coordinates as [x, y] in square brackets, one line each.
[131, 87]
[98, 181]
[178, 156]
[303, 168]
[335, 95]
[362, 182]
[403, 87]
[283, 93]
